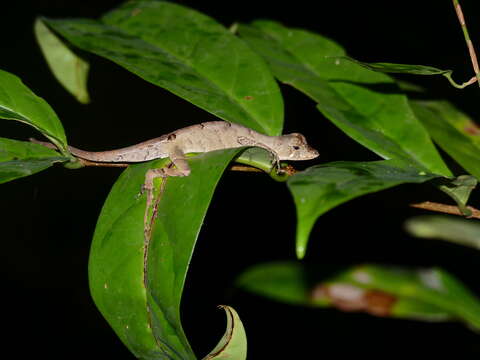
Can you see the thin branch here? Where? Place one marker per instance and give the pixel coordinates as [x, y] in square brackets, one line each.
[446, 209]
[471, 50]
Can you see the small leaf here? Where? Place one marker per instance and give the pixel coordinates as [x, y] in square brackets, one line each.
[321, 188]
[398, 68]
[67, 67]
[19, 159]
[459, 189]
[17, 102]
[187, 53]
[136, 279]
[455, 132]
[409, 69]
[233, 345]
[367, 106]
[455, 230]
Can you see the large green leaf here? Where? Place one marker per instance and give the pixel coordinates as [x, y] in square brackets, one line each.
[18, 102]
[137, 276]
[187, 53]
[424, 294]
[321, 188]
[456, 230]
[20, 158]
[454, 131]
[69, 69]
[366, 105]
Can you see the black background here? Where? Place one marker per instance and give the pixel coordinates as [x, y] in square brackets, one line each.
[47, 220]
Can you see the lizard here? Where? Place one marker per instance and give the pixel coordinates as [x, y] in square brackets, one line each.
[199, 138]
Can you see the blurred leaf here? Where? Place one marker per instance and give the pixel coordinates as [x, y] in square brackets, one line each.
[426, 294]
[460, 231]
[187, 53]
[137, 276]
[456, 133]
[233, 345]
[367, 106]
[18, 102]
[321, 188]
[281, 281]
[430, 286]
[19, 159]
[67, 67]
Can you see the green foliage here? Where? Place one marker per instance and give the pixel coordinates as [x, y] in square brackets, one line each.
[69, 69]
[187, 53]
[455, 230]
[322, 187]
[19, 159]
[137, 278]
[17, 102]
[141, 250]
[423, 294]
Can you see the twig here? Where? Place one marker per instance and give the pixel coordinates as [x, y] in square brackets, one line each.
[471, 50]
[447, 209]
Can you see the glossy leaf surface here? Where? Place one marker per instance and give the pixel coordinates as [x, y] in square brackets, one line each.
[187, 53]
[18, 102]
[19, 159]
[366, 105]
[320, 188]
[454, 131]
[137, 280]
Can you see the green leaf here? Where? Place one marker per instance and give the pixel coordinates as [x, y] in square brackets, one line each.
[187, 53]
[321, 188]
[67, 67]
[429, 286]
[459, 189]
[286, 282]
[398, 68]
[233, 345]
[367, 106]
[18, 102]
[137, 276]
[456, 230]
[424, 294]
[19, 159]
[455, 132]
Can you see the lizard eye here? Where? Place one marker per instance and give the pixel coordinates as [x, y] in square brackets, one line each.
[296, 147]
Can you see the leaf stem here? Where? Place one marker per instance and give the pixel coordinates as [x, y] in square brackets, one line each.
[446, 209]
[471, 50]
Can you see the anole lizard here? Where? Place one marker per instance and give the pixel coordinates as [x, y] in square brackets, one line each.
[199, 138]
[204, 137]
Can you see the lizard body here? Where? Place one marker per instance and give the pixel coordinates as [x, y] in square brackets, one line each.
[204, 137]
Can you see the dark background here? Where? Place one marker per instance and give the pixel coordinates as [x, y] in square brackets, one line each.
[47, 220]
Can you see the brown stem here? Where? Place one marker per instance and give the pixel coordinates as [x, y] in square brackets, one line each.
[446, 209]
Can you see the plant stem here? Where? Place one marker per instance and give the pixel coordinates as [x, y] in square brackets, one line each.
[471, 50]
[446, 209]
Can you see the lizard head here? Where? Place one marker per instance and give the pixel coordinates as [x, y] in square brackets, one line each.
[294, 147]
